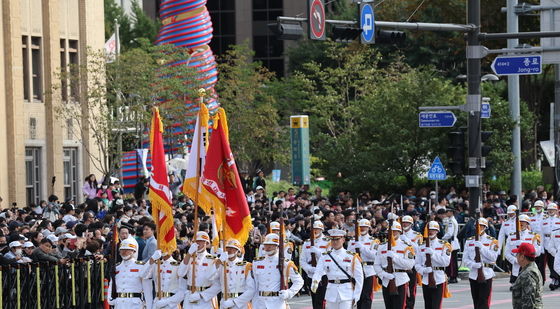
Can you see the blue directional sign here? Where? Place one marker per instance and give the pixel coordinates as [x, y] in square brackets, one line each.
[517, 65]
[367, 23]
[485, 110]
[436, 119]
[437, 171]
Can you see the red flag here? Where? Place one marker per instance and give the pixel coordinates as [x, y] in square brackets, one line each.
[221, 179]
[160, 195]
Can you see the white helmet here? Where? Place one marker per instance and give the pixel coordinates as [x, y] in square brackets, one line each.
[524, 218]
[511, 209]
[407, 219]
[482, 221]
[552, 206]
[317, 225]
[364, 223]
[274, 226]
[396, 226]
[272, 239]
[433, 225]
[234, 243]
[538, 203]
[128, 244]
[202, 236]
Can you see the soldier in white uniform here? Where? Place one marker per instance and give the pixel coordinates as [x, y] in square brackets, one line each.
[366, 247]
[288, 245]
[508, 226]
[128, 277]
[481, 292]
[551, 225]
[240, 283]
[451, 229]
[403, 256]
[440, 255]
[171, 294]
[525, 235]
[344, 273]
[416, 239]
[268, 294]
[200, 295]
[555, 239]
[537, 220]
[322, 244]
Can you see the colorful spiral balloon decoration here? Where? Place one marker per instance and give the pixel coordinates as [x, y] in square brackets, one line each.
[186, 24]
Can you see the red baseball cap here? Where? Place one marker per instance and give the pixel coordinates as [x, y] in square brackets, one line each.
[526, 249]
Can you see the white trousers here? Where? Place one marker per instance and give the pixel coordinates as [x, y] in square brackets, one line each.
[339, 305]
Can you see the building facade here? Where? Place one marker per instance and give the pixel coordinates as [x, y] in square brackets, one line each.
[40, 154]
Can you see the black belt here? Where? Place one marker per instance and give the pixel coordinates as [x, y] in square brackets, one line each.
[397, 270]
[340, 281]
[438, 268]
[265, 293]
[368, 263]
[129, 295]
[197, 288]
[232, 295]
[164, 294]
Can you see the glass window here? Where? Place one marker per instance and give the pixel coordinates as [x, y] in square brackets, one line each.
[25, 59]
[71, 183]
[36, 69]
[33, 174]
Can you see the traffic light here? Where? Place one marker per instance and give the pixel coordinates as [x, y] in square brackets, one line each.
[485, 149]
[456, 152]
[345, 34]
[389, 37]
[286, 31]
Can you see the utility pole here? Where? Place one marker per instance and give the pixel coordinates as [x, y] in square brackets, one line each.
[513, 98]
[474, 55]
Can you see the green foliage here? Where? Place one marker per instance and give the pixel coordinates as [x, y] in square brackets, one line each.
[136, 31]
[255, 132]
[530, 180]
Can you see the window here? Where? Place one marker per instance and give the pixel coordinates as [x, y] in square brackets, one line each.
[268, 49]
[69, 64]
[63, 69]
[25, 59]
[36, 69]
[71, 173]
[222, 13]
[33, 174]
[32, 128]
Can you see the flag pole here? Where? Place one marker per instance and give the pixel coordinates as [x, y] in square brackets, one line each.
[223, 249]
[201, 94]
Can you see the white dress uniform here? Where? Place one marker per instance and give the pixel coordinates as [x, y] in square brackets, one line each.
[206, 274]
[549, 225]
[171, 293]
[554, 242]
[555, 239]
[451, 231]
[488, 255]
[404, 259]
[322, 243]
[440, 260]
[267, 279]
[368, 250]
[537, 227]
[240, 283]
[508, 227]
[288, 249]
[512, 243]
[414, 237]
[129, 275]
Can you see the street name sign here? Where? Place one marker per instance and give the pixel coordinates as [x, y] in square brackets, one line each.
[437, 171]
[439, 119]
[517, 65]
[367, 23]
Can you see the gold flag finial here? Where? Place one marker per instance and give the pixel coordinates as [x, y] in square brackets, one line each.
[201, 92]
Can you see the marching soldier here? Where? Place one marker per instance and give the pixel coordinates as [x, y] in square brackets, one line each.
[481, 292]
[508, 226]
[402, 255]
[555, 238]
[367, 246]
[440, 255]
[551, 225]
[537, 220]
[416, 239]
[239, 281]
[344, 272]
[128, 277]
[451, 231]
[171, 295]
[322, 244]
[288, 245]
[525, 236]
[269, 294]
[199, 295]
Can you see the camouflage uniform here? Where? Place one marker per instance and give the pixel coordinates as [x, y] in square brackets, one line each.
[527, 289]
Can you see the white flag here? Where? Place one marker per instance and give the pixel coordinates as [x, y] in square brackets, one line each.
[112, 48]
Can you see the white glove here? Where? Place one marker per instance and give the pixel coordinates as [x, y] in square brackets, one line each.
[478, 244]
[429, 251]
[224, 257]
[285, 294]
[359, 245]
[219, 251]
[160, 303]
[314, 286]
[227, 303]
[317, 251]
[388, 276]
[193, 248]
[390, 254]
[428, 270]
[194, 297]
[157, 255]
[356, 298]
[477, 265]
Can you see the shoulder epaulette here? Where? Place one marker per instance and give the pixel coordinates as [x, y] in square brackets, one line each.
[532, 233]
[513, 233]
[470, 238]
[210, 256]
[325, 253]
[441, 241]
[350, 252]
[531, 215]
[175, 263]
[489, 237]
[545, 216]
[327, 238]
[140, 262]
[258, 258]
[241, 263]
[119, 263]
[417, 233]
[383, 243]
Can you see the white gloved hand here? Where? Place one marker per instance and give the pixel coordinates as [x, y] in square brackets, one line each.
[314, 286]
[194, 297]
[428, 270]
[219, 251]
[157, 255]
[317, 251]
[478, 244]
[356, 298]
[390, 254]
[227, 303]
[429, 251]
[388, 276]
[160, 303]
[193, 248]
[285, 294]
[477, 265]
[224, 257]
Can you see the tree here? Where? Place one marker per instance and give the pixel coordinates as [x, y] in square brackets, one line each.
[135, 31]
